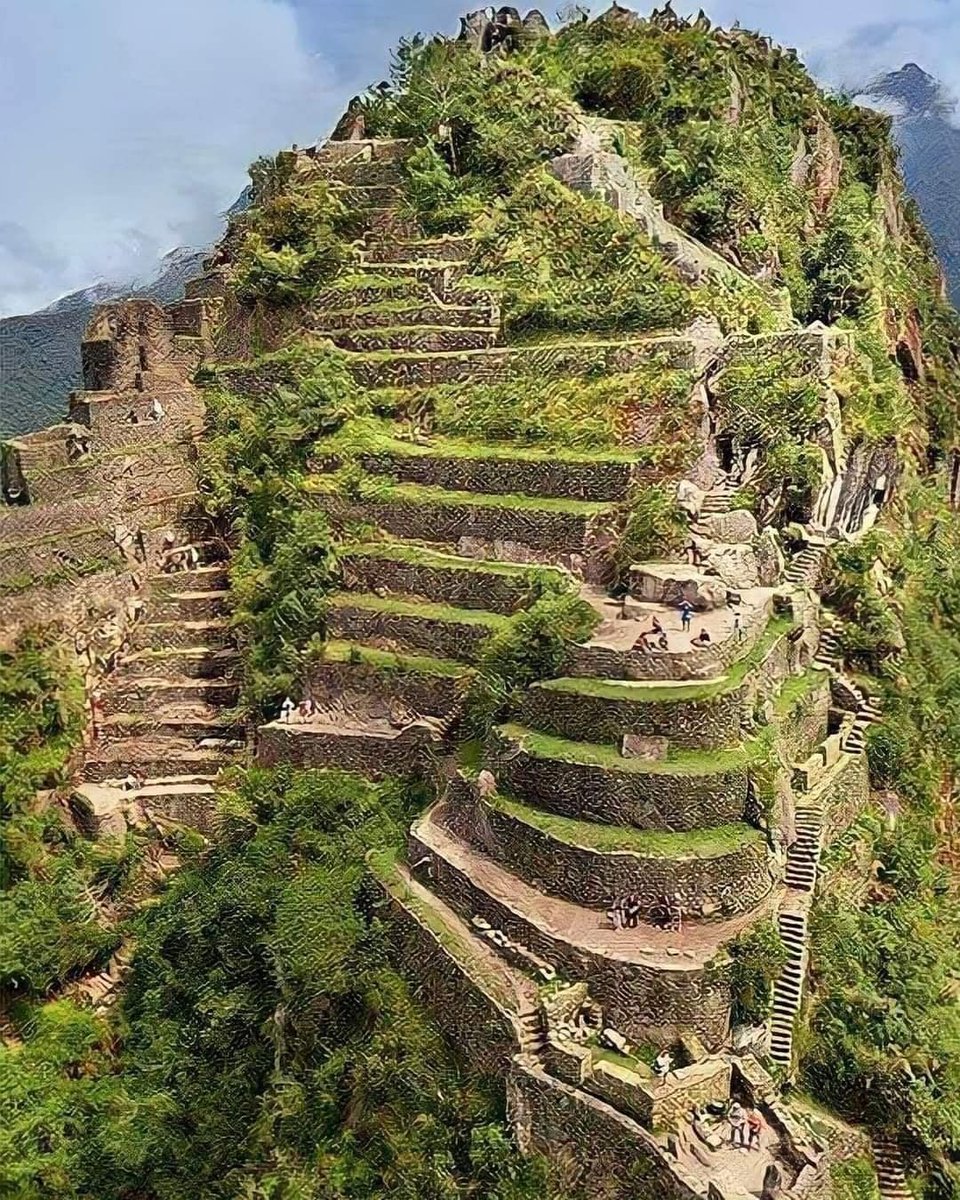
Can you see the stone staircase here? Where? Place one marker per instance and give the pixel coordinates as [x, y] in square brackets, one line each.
[788, 990]
[719, 498]
[891, 1174]
[167, 722]
[803, 857]
[803, 570]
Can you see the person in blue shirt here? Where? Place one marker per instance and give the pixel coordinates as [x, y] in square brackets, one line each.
[686, 614]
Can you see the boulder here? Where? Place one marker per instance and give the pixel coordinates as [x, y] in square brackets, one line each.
[736, 565]
[690, 498]
[652, 749]
[671, 583]
[352, 125]
[474, 29]
[564, 1005]
[738, 525]
[486, 784]
[101, 811]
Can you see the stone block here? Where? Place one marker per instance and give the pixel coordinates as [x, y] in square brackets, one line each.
[672, 583]
[738, 525]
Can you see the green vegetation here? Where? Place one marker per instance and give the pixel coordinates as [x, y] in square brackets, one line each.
[758, 957]
[855, 1179]
[384, 660]
[714, 842]
[268, 1049]
[677, 762]
[400, 607]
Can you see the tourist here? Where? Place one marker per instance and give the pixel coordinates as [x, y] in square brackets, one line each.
[306, 708]
[633, 910]
[663, 1064]
[686, 615]
[738, 633]
[754, 1129]
[157, 412]
[662, 642]
[738, 1125]
[286, 711]
[615, 913]
[702, 639]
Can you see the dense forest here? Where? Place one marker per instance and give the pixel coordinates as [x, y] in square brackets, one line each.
[264, 1045]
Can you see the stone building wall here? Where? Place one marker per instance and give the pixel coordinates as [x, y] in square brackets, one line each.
[443, 639]
[648, 1004]
[722, 887]
[845, 795]
[804, 727]
[645, 799]
[706, 724]
[624, 1161]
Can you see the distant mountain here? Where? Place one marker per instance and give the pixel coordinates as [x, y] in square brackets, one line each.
[40, 353]
[925, 124]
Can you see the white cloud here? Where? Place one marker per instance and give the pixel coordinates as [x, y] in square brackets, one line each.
[127, 126]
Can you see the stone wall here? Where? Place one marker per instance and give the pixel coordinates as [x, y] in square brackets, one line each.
[550, 477]
[504, 364]
[443, 639]
[599, 1152]
[661, 1103]
[462, 587]
[368, 754]
[845, 794]
[479, 1029]
[539, 529]
[361, 687]
[722, 886]
[804, 726]
[707, 724]
[645, 799]
[647, 1003]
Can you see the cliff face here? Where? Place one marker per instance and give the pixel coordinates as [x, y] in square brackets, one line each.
[573, 435]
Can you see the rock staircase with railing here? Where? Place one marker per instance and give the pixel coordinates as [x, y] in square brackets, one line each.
[719, 498]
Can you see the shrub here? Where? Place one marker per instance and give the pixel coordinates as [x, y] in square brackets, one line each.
[758, 956]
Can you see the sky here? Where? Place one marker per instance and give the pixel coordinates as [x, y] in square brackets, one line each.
[127, 125]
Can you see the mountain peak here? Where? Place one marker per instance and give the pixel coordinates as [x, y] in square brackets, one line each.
[911, 91]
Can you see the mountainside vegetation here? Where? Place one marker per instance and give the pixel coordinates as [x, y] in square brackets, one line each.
[264, 1046]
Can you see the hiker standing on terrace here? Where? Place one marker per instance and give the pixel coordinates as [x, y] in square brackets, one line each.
[686, 615]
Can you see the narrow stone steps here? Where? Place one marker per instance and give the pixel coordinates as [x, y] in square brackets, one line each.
[366, 173]
[891, 1174]
[143, 694]
[202, 662]
[189, 606]
[209, 578]
[154, 758]
[788, 989]
[200, 723]
[182, 635]
[443, 249]
[366, 196]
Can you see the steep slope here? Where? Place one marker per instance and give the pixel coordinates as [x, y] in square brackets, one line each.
[579, 440]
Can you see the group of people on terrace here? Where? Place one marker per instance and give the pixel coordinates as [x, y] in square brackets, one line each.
[655, 638]
[627, 912]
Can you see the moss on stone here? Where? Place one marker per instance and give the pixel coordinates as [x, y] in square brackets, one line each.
[398, 606]
[385, 660]
[678, 762]
[714, 842]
